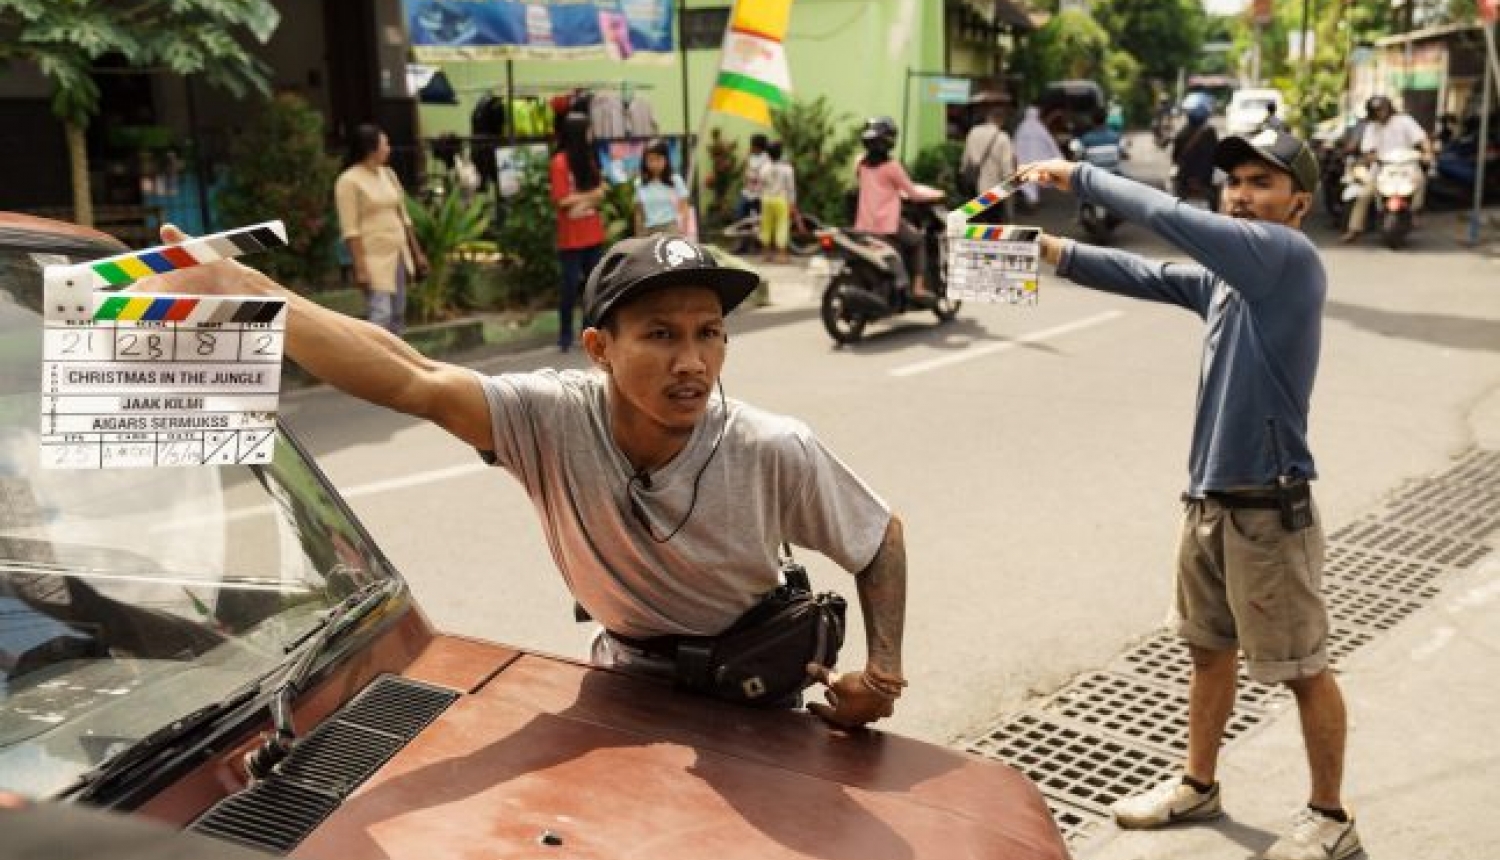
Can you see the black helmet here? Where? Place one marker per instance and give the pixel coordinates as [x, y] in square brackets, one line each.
[1375, 104]
[880, 127]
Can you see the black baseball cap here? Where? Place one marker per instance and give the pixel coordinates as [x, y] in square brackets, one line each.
[639, 265]
[1278, 148]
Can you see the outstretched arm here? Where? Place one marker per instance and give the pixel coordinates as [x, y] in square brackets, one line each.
[860, 697]
[1239, 250]
[352, 355]
[1120, 272]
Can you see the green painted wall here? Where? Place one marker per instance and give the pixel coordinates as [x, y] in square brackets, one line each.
[855, 52]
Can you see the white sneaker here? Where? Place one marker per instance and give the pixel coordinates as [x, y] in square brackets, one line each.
[1315, 836]
[1171, 802]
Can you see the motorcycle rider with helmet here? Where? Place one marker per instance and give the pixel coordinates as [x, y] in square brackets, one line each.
[883, 183]
[1193, 155]
[1386, 132]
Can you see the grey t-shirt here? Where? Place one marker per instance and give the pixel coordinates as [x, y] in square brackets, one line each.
[1260, 288]
[769, 480]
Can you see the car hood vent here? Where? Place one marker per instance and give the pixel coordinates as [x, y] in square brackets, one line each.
[326, 766]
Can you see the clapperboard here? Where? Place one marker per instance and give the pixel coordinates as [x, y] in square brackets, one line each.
[132, 380]
[992, 262]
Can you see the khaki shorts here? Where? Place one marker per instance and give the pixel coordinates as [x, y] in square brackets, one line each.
[1245, 581]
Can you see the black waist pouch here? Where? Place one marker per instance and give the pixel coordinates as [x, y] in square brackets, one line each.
[762, 658]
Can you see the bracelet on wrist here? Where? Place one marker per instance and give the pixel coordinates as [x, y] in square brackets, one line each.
[882, 687]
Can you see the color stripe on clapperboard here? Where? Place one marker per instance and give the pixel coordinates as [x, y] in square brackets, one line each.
[125, 268]
[995, 233]
[989, 198]
[184, 309]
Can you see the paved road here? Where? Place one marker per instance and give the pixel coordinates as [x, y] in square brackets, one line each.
[1034, 454]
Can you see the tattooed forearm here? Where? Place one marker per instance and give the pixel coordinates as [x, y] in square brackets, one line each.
[882, 600]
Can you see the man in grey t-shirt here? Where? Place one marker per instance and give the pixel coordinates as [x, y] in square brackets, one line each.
[663, 501]
[1251, 549]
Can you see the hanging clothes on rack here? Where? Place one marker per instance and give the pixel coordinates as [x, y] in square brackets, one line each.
[607, 116]
[640, 117]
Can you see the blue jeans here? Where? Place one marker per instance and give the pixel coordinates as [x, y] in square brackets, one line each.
[388, 310]
[576, 263]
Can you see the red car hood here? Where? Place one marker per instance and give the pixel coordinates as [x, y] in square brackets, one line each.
[551, 751]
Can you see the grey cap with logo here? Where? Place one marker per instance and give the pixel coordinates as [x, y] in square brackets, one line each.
[639, 265]
[1286, 152]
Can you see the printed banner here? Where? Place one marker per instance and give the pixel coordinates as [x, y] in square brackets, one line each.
[448, 30]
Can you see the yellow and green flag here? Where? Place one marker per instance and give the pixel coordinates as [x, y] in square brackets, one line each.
[753, 74]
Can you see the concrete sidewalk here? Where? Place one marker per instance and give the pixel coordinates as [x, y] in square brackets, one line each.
[1423, 765]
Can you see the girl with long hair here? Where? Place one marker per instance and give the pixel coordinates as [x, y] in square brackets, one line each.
[661, 197]
[577, 194]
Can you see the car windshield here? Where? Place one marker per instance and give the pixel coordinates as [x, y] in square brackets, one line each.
[1256, 104]
[131, 597]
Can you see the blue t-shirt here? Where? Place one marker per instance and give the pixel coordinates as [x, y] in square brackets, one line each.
[1260, 288]
[658, 201]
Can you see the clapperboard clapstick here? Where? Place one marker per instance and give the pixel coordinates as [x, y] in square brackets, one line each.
[70, 288]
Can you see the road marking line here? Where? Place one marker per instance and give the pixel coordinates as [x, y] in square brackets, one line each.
[991, 349]
[408, 481]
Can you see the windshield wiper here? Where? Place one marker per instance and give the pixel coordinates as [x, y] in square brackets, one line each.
[314, 643]
[90, 784]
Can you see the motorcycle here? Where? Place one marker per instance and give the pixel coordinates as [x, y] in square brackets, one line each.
[1396, 178]
[862, 279]
[1398, 175]
[1098, 223]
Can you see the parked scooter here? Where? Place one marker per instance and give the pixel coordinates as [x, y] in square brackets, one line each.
[1396, 176]
[862, 279]
[1098, 223]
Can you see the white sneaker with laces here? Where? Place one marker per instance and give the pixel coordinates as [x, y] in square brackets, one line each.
[1170, 802]
[1315, 836]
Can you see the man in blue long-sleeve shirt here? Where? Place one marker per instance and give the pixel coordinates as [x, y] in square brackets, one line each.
[1250, 560]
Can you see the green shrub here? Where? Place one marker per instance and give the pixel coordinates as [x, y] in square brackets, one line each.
[937, 165]
[278, 169]
[726, 170]
[528, 238]
[821, 146]
[442, 227]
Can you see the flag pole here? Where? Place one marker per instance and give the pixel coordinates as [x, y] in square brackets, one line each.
[708, 101]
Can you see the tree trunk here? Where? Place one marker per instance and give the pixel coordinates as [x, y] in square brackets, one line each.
[78, 163]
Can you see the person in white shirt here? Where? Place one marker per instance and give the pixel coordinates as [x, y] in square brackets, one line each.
[1385, 133]
[989, 156]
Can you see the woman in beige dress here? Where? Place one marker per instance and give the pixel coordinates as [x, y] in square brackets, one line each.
[372, 218]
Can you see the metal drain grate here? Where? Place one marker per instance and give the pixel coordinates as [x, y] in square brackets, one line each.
[1477, 468]
[1343, 641]
[1072, 765]
[1466, 512]
[1371, 609]
[1137, 711]
[1377, 534]
[1076, 825]
[1356, 566]
[1163, 658]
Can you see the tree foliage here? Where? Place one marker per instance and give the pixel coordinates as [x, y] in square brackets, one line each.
[279, 169]
[64, 38]
[821, 144]
[1161, 35]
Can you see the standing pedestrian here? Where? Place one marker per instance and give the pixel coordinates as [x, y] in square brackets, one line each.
[989, 156]
[661, 197]
[376, 229]
[1249, 571]
[577, 193]
[778, 201]
[1034, 143]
